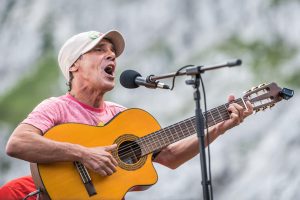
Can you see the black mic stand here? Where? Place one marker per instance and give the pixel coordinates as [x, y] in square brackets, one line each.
[195, 72]
[195, 82]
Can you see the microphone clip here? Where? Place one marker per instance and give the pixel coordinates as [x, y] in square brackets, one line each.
[156, 82]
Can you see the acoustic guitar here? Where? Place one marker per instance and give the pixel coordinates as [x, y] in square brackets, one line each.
[137, 135]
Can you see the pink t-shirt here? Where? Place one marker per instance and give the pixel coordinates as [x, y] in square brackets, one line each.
[65, 109]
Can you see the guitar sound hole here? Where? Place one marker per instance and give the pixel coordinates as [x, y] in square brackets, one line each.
[129, 152]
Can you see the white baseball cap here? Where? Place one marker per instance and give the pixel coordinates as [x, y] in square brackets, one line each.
[83, 42]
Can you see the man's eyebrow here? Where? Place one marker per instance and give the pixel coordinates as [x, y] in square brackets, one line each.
[99, 45]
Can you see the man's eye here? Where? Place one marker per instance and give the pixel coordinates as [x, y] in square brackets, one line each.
[98, 49]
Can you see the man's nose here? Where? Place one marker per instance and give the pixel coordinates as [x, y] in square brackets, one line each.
[111, 55]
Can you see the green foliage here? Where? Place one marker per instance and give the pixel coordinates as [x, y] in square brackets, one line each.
[294, 79]
[277, 3]
[265, 59]
[20, 100]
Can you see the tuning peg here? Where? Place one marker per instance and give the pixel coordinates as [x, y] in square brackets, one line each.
[253, 88]
[272, 105]
[261, 85]
[264, 108]
[256, 111]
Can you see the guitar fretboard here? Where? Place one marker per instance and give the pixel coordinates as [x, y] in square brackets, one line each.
[183, 129]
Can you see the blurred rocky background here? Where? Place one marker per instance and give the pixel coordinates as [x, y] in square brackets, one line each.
[257, 160]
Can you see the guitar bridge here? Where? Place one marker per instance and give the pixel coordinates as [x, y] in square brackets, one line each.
[86, 179]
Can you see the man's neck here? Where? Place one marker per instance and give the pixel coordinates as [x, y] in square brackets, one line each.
[88, 97]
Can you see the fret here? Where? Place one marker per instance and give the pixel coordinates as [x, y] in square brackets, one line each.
[172, 135]
[154, 139]
[145, 144]
[162, 141]
[178, 131]
[217, 117]
[167, 132]
[228, 114]
[219, 114]
[186, 127]
[193, 122]
[175, 136]
[160, 138]
[212, 117]
[207, 119]
[151, 142]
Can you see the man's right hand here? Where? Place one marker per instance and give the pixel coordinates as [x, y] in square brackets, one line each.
[100, 160]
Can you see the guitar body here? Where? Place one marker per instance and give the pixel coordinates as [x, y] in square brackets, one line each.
[62, 180]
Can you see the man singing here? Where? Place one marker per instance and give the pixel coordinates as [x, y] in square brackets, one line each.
[88, 62]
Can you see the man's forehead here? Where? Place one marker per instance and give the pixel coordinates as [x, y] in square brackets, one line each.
[105, 41]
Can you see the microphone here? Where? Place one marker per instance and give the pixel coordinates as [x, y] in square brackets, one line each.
[132, 79]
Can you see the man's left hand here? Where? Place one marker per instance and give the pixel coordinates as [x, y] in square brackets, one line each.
[237, 115]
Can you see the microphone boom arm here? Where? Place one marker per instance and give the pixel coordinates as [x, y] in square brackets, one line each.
[194, 70]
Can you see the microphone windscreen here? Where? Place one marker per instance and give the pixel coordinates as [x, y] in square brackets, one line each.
[127, 78]
[238, 62]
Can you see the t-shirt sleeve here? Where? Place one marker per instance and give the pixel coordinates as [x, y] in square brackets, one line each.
[115, 108]
[44, 116]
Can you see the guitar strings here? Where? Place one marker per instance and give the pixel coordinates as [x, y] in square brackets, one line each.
[218, 110]
[223, 111]
[239, 101]
[123, 152]
[136, 150]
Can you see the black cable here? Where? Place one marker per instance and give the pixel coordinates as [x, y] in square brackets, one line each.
[173, 81]
[208, 140]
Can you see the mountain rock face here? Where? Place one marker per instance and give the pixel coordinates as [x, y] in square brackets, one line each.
[256, 160]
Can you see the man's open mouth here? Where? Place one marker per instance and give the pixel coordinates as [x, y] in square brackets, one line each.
[109, 70]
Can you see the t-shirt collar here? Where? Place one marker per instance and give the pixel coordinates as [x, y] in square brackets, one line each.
[69, 96]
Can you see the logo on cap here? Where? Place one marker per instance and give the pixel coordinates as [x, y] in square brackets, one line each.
[94, 34]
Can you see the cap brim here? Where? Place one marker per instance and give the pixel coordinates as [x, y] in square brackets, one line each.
[114, 37]
[117, 39]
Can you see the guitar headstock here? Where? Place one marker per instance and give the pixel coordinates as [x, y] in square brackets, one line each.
[267, 95]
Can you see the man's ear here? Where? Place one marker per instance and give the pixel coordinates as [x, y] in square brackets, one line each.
[74, 67]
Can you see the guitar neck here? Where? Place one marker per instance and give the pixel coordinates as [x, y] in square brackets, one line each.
[183, 129]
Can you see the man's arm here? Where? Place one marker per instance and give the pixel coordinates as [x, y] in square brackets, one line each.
[27, 143]
[178, 153]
